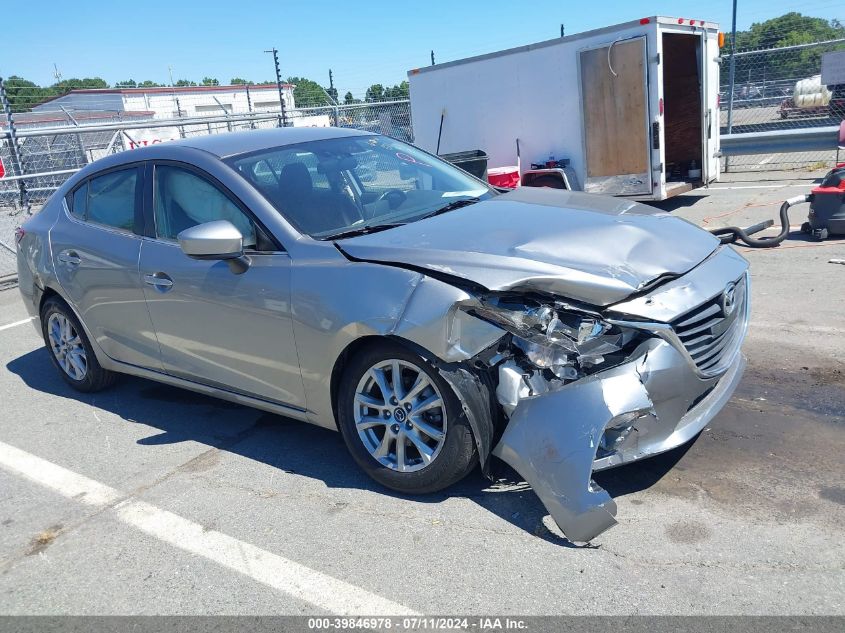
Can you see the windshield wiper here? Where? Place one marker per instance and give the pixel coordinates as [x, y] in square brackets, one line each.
[363, 230]
[455, 204]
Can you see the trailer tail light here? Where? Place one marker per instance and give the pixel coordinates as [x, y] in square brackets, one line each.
[19, 233]
[721, 40]
[644, 20]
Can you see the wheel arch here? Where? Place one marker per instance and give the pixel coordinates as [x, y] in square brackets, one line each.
[362, 343]
[50, 292]
[474, 394]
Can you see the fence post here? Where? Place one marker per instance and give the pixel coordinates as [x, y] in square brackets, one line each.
[249, 107]
[18, 165]
[732, 77]
[83, 156]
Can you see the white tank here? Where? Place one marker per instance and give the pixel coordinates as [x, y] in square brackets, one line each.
[811, 93]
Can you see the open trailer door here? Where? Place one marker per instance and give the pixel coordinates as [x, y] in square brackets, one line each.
[614, 103]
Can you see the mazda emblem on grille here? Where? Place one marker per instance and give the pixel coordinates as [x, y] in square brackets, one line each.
[729, 299]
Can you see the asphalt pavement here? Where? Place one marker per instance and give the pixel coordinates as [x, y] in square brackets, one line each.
[145, 499]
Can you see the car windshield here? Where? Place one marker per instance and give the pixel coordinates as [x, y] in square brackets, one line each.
[336, 188]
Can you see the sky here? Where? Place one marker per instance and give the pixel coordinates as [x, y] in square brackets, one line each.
[362, 42]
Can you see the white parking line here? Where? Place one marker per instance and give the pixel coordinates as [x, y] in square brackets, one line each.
[272, 570]
[16, 323]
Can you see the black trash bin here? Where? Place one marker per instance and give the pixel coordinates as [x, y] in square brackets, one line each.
[474, 162]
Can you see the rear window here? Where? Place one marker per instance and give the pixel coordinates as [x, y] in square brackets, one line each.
[109, 199]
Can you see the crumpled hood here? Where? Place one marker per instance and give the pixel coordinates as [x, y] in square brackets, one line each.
[581, 246]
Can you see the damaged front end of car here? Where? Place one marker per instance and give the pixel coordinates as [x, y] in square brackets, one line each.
[570, 388]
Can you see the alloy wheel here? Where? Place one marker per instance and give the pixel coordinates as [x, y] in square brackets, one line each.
[400, 415]
[66, 346]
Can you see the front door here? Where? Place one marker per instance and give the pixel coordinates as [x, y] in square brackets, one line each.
[95, 245]
[213, 326]
[614, 103]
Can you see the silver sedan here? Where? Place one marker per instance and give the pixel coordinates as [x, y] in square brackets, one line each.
[355, 282]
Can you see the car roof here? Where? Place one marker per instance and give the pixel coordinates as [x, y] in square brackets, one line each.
[219, 145]
[232, 143]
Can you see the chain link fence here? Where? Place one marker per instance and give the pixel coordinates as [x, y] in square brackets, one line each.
[780, 89]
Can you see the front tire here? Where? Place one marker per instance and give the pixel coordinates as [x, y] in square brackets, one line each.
[70, 350]
[402, 422]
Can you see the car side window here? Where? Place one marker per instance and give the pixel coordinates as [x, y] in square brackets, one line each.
[108, 199]
[79, 204]
[184, 199]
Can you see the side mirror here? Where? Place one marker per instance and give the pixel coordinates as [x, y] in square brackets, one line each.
[218, 240]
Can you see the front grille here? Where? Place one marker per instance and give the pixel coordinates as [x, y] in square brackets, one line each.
[709, 336]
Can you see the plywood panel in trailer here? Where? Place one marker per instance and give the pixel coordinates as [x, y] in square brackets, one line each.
[614, 106]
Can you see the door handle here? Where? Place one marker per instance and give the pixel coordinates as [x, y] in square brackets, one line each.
[71, 258]
[160, 281]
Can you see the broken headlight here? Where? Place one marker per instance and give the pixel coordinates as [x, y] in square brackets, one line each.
[554, 335]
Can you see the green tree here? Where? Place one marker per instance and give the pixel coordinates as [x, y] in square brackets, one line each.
[397, 92]
[237, 81]
[23, 94]
[332, 92]
[308, 92]
[66, 85]
[787, 30]
[129, 83]
[149, 84]
[374, 93]
[348, 99]
[210, 81]
[181, 83]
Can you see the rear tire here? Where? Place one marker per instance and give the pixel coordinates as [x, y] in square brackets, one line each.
[420, 425]
[70, 350]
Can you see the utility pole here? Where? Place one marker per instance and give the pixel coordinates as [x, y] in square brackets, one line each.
[331, 80]
[561, 30]
[432, 58]
[275, 52]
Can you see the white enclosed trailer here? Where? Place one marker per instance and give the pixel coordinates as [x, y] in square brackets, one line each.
[634, 107]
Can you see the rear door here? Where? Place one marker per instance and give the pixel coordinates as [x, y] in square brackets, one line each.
[95, 245]
[216, 327]
[710, 109]
[614, 103]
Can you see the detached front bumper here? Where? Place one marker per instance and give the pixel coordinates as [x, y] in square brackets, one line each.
[648, 405]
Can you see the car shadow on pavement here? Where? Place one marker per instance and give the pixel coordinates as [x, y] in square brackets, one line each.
[304, 449]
